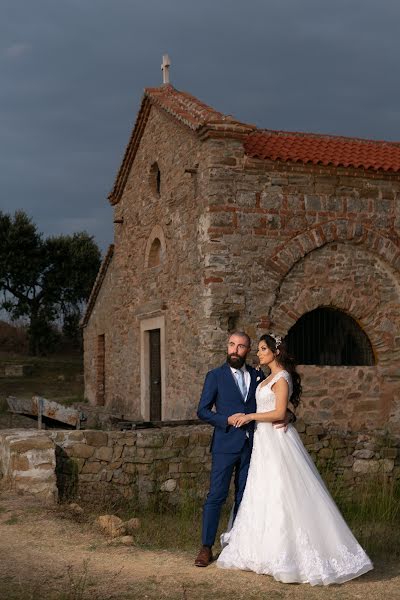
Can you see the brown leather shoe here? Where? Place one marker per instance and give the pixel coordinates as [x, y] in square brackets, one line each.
[204, 557]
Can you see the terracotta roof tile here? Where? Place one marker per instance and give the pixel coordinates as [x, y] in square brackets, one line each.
[323, 150]
[184, 107]
[258, 143]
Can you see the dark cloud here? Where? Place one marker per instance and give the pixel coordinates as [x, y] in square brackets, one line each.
[73, 74]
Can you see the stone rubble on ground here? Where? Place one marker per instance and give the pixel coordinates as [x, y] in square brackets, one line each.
[111, 525]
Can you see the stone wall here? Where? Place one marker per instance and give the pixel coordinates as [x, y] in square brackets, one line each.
[104, 465]
[285, 239]
[250, 244]
[170, 465]
[133, 292]
[15, 370]
[175, 462]
[28, 463]
[346, 398]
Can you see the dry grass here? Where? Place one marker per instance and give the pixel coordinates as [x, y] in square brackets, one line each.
[47, 555]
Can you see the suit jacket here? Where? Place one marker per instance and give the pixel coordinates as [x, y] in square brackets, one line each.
[221, 393]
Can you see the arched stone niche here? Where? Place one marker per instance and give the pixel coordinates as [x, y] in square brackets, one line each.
[362, 282]
[155, 251]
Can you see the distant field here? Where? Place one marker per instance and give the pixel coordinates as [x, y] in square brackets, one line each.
[56, 377]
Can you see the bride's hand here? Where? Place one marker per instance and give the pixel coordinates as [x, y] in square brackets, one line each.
[243, 420]
[233, 418]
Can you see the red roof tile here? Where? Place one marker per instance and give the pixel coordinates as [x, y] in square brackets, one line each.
[195, 114]
[263, 144]
[183, 106]
[323, 150]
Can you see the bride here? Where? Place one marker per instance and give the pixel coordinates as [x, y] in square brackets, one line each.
[288, 525]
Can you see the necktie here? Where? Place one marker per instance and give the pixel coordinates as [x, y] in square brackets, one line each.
[241, 383]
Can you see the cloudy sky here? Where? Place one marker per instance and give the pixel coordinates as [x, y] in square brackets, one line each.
[72, 75]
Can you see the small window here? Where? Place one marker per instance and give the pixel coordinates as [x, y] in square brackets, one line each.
[155, 254]
[155, 179]
[327, 336]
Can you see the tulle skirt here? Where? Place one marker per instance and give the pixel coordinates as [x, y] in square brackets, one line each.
[288, 525]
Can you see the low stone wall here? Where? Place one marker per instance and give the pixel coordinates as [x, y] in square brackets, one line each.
[175, 462]
[168, 464]
[351, 457]
[13, 370]
[110, 465]
[28, 463]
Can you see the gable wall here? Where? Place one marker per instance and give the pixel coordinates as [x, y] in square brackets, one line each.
[172, 290]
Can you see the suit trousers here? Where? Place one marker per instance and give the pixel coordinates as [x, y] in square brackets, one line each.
[222, 468]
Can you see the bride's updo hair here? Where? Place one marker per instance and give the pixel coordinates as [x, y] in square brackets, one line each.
[279, 348]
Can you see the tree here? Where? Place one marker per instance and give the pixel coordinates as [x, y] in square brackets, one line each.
[46, 280]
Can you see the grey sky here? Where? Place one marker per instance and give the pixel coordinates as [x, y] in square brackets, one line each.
[72, 74]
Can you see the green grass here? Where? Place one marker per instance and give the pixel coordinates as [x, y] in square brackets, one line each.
[11, 521]
[372, 511]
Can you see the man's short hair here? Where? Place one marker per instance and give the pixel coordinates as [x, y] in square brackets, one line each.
[242, 334]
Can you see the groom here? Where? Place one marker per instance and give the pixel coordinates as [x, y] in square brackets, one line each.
[229, 389]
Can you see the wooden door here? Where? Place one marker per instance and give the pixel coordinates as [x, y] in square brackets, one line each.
[155, 375]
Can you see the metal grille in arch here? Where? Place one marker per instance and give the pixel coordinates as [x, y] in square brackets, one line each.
[328, 336]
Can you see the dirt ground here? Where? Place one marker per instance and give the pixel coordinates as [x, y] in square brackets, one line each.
[45, 554]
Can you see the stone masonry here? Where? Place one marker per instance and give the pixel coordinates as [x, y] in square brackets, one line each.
[249, 240]
[170, 465]
[28, 463]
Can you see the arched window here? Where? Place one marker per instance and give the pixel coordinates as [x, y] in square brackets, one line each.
[155, 253]
[155, 179]
[327, 336]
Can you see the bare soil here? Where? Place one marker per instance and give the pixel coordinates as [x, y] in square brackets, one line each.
[47, 554]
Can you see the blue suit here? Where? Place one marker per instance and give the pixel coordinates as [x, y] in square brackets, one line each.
[231, 446]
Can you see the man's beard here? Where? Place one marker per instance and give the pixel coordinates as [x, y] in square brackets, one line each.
[236, 361]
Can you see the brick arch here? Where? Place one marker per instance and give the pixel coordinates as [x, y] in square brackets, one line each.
[283, 316]
[157, 233]
[340, 230]
[285, 312]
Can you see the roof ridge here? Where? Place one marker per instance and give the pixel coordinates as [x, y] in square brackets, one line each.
[187, 108]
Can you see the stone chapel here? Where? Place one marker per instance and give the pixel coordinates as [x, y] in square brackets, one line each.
[219, 225]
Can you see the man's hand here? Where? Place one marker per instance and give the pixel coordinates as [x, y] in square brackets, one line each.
[281, 424]
[285, 423]
[233, 418]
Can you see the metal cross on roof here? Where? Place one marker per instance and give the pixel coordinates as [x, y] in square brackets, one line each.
[166, 63]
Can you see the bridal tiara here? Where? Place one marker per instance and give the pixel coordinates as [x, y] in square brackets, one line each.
[277, 338]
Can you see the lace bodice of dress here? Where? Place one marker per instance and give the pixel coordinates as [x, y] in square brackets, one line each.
[265, 396]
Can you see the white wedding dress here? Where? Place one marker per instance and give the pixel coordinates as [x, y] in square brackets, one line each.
[288, 525]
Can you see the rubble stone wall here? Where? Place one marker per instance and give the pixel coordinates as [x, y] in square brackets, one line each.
[133, 290]
[28, 463]
[171, 464]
